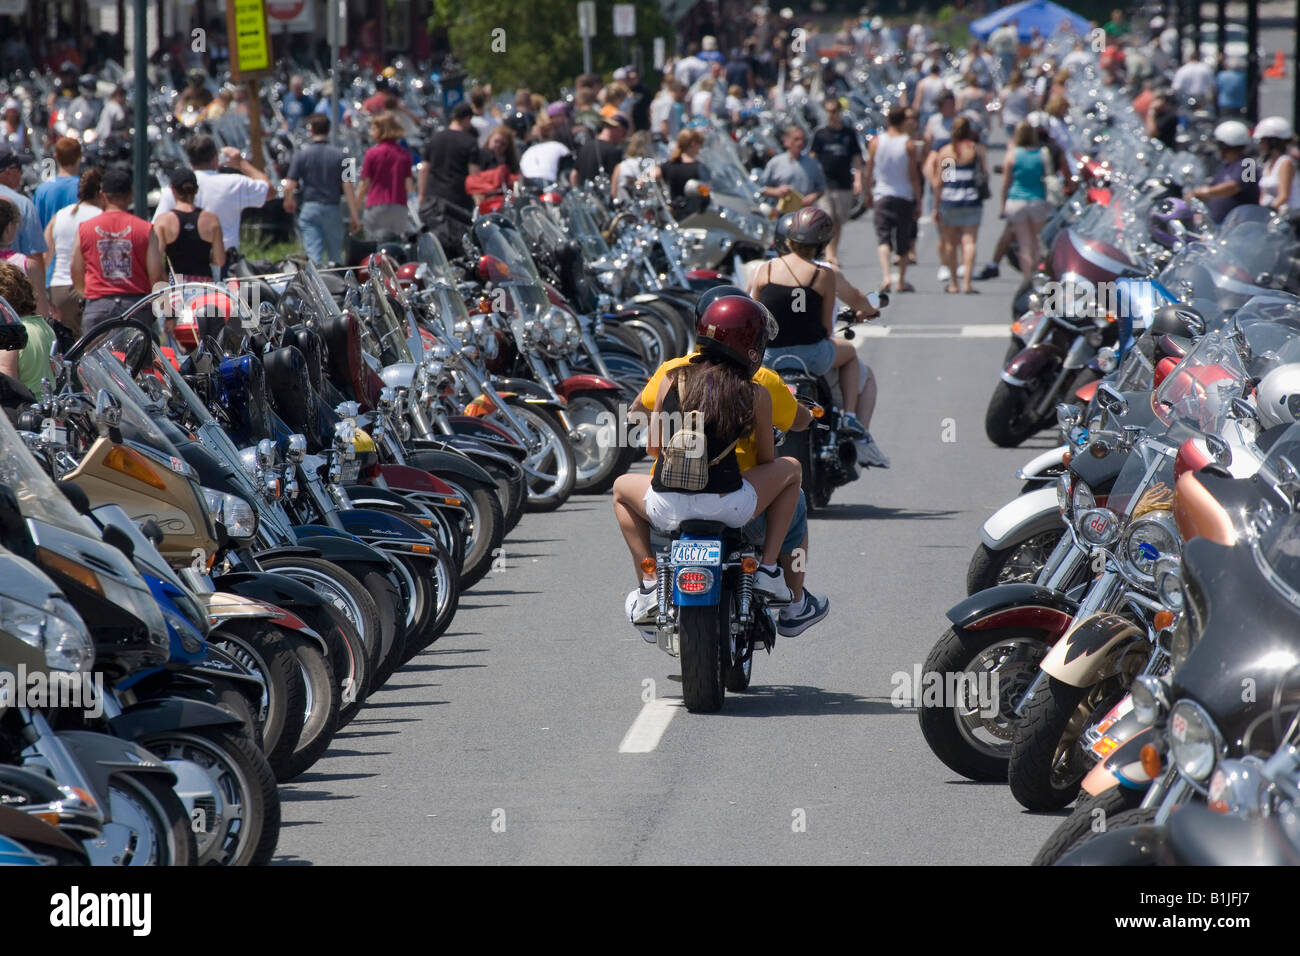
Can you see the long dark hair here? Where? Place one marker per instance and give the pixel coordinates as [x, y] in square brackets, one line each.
[721, 391]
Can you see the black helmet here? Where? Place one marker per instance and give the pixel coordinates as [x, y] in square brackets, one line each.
[712, 295]
[88, 81]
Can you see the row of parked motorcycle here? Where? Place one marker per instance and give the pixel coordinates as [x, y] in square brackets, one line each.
[1130, 640]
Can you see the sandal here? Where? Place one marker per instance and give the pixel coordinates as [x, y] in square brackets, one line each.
[951, 289]
[905, 287]
[972, 292]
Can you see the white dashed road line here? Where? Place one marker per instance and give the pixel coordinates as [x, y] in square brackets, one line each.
[932, 332]
[648, 728]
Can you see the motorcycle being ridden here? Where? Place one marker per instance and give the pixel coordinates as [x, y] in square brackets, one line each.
[707, 595]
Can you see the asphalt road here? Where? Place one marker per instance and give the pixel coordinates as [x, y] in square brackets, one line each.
[501, 744]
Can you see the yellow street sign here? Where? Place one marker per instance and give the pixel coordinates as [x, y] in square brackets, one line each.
[249, 37]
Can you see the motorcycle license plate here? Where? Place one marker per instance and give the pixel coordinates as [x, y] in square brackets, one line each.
[706, 553]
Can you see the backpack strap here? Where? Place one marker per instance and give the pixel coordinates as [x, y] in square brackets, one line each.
[723, 454]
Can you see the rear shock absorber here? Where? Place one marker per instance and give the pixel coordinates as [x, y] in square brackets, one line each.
[663, 572]
[748, 565]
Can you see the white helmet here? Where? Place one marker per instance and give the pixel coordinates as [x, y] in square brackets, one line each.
[1157, 24]
[1274, 127]
[1277, 397]
[1232, 133]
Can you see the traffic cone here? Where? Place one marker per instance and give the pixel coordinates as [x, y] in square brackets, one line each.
[1278, 69]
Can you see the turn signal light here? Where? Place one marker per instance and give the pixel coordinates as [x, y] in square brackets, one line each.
[134, 465]
[648, 566]
[48, 816]
[421, 549]
[1163, 620]
[817, 411]
[749, 564]
[1150, 760]
[66, 566]
[1067, 458]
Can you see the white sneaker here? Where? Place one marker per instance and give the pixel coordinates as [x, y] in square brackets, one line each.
[869, 453]
[772, 584]
[814, 609]
[945, 274]
[642, 606]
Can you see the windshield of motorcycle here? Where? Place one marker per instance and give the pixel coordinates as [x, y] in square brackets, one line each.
[1271, 326]
[724, 171]
[100, 368]
[1120, 224]
[536, 223]
[1232, 267]
[309, 293]
[1146, 482]
[383, 332]
[1277, 546]
[37, 495]
[524, 283]
[1198, 393]
[582, 225]
[430, 252]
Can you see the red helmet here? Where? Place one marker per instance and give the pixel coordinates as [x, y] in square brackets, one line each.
[811, 227]
[736, 327]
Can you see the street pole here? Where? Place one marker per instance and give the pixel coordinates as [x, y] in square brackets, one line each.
[333, 8]
[586, 54]
[1252, 62]
[140, 140]
[1221, 24]
[1295, 65]
[1197, 23]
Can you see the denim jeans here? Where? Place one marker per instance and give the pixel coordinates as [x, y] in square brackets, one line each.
[321, 226]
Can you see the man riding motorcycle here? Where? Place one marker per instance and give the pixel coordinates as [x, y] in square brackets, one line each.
[806, 608]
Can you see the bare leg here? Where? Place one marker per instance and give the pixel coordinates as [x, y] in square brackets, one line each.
[629, 509]
[886, 270]
[777, 485]
[867, 399]
[846, 360]
[1028, 239]
[833, 247]
[948, 253]
[1004, 243]
[968, 235]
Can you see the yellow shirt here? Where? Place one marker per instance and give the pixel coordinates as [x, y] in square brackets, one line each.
[784, 406]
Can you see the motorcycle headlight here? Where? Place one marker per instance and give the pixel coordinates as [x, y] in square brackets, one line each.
[1063, 493]
[1169, 581]
[1098, 526]
[1150, 699]
[53, 627]
[1040, 282]
[237, 514]
[572, 332]
[1238, 787]
[1194, 741]
[1082, 499]
[1147, 539]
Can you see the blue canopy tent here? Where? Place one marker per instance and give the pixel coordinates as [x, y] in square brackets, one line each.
[1042, 15]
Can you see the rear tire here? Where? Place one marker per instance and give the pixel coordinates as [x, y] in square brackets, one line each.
[703, 656]
[321, 710]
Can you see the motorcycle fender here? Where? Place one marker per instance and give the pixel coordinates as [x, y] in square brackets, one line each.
[489, 433]
[525, 388]
[102, 757]
[169, 713]
[381, 526]
[378, 499]
[293, 549]
[1022, 518]
[1016, 605]
[224, 605]
[341, 549]
[1123, 768]
[1127, 846]
[580, 383]
[450, 462]
[402, 478]
[1090, 648]
[1031, 362]
[1036, 467]
[481, 451]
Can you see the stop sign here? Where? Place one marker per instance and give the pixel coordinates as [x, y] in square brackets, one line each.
[284, 9]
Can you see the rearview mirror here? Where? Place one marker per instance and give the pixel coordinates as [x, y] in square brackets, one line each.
[108, 412]
[296, 449]
[1111, 400]
[1219, 449]
[1243, 409]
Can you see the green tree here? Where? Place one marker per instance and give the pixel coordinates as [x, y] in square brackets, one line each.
[535, 43]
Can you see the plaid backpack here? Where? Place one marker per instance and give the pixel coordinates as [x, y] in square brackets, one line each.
[682, 462]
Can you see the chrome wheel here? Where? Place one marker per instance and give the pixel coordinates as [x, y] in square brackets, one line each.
[1009, 666]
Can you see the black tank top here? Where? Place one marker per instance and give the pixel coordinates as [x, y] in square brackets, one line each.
[190, 254]
[797, 310]
[724, 477]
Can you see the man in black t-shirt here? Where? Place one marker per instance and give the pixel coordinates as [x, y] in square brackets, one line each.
[1162, 121]
[452, 155]
[835, 146]
[602, 154]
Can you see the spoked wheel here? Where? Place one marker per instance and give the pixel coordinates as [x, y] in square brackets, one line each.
[550, 466]
[149, 825]
[243, 827]
[1017, 563]
[594, 416]
[964, 726]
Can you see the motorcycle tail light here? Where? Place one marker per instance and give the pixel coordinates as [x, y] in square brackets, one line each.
[694, 582]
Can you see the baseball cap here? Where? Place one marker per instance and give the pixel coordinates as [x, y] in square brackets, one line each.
[185, 177]
[117, 181]
[620, 74]
[8, 158]
[618, 119]
[462, 111]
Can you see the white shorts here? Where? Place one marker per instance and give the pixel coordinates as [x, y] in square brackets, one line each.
[667, 510]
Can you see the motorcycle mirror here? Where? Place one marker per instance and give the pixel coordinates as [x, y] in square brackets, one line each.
[117, 538]
[1110, 399]
[1067, 416]
[1286, 472]
[878, 300]
[1219, 449]
[149, 528]
[265, 453]
[108, 412]
[76, 496]
[1243, 409]
[296, 449]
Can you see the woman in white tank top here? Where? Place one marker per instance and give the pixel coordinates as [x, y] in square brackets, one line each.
[61, 237]
[1279, 185]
